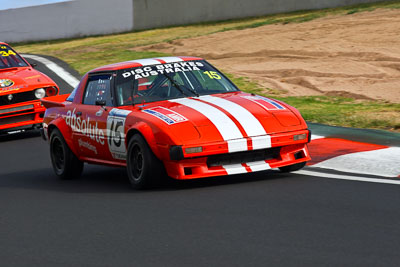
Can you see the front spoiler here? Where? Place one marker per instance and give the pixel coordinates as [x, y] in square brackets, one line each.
[16, 116]
[198, 167]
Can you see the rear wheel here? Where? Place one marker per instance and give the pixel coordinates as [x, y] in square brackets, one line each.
[144, 169]
[65, 164]
[292, 168]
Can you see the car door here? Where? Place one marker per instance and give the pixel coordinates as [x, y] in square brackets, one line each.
[90, 133]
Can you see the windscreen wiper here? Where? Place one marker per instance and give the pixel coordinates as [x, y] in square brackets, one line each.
[177, 86]
[134, 91]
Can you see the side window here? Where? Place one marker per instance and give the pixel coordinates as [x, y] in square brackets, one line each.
[124, 92]
[72, 95]
[98, 88]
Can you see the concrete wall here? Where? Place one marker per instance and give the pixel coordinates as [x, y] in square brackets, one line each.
[156, 13]
[65, 20]
[93, 17]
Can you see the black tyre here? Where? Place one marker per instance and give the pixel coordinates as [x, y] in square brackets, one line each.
[144, 169]
[293, 168]
[65, 164]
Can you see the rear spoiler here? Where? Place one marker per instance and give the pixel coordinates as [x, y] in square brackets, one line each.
[54, 101]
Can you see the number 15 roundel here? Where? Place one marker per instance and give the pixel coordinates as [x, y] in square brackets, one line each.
[116, 132]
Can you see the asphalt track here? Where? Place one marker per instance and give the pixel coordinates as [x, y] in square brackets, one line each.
[261, 219]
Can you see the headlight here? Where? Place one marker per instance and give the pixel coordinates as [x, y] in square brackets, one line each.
[40, 93]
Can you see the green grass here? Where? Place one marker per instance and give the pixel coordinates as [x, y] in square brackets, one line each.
[84, 54]
[91, 60]
[340, 111]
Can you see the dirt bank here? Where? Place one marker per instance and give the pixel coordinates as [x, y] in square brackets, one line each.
[355, 55]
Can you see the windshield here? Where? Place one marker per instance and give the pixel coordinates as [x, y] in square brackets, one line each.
[169, 81]
[9, 58]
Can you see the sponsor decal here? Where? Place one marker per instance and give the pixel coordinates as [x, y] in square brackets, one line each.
[13, 88]
[87, 145]
[166, 115]
[266, 103]
[84, 127]
[6, 83]
[147, 71]
[116, 132]
[32, 77]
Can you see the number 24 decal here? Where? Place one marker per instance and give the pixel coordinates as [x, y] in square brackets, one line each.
[6, 54]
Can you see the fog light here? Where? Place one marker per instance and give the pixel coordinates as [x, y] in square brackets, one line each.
[298, 137]
[191, 150]
[40, 93]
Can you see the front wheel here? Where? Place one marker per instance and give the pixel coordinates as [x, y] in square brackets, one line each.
[65, 164]
[292, 168]
[144, 168]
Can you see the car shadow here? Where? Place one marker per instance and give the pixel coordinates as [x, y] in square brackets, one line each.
[102, 179]
[20, 135]
[257, 177]
[99, 180]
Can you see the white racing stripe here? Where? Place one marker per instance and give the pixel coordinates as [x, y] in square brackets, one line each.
[234, 169]
[63, 74]
[146, 62]
[226, 127]
[170, 59]
[260, 142]
[249, 122]
[258, 166]
[254, 167]
[347, 177]
[237, 145]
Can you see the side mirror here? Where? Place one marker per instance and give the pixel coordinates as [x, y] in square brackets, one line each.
[33, 65]
[100, 103]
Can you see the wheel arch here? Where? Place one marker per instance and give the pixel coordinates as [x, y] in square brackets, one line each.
[65, 131]
[147, 133]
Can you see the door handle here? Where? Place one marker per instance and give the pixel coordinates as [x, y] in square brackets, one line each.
[79, 113]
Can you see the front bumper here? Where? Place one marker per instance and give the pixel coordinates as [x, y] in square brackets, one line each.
[283, 152]
[21, 115]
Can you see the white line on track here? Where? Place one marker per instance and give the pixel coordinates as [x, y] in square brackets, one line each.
[63, 74]
[347, 177]
[315, 137]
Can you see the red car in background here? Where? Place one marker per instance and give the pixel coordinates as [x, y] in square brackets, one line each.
[21, 88]
[173, 114]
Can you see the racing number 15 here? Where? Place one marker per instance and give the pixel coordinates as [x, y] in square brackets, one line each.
[213, 75]
[115, 136]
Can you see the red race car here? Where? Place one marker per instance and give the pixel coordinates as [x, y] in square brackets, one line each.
[173, 114]
[21, 87]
